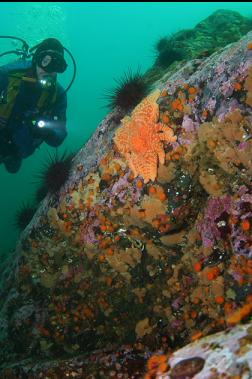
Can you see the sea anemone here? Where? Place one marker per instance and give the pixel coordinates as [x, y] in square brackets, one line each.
[24, 215]
[56, 172]
[131, 89]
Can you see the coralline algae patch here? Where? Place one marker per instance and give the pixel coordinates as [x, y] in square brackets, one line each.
[153, 246]
[224, 355]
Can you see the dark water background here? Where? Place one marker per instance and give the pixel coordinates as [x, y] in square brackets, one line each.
[105, 39]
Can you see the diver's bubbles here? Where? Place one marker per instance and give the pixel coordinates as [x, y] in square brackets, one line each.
[32, 22]
[41, 20]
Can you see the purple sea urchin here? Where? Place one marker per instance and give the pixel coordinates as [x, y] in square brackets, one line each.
[24, 215]
[168, 51]
[56, 171]
[169, 55]
[41, 193]
[161, 44]
[131, 89]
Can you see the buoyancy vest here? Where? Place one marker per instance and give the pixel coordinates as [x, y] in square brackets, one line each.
[45, 101]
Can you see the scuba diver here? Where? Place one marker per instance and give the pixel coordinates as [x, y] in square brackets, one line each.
[32, 103]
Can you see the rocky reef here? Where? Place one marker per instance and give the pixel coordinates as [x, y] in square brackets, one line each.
[208, 36]
[147, 248]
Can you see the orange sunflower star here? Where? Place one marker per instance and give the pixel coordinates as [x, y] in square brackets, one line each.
[141, 138]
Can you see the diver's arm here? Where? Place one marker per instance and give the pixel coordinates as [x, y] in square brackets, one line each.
[54, 131]
[3, 85]
[3, 97]
[55, 135]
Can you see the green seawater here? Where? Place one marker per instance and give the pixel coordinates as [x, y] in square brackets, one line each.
[106, 39]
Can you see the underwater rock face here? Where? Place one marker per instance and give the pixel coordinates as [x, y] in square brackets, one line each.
[147, 246]
[216, 31]
[223, 355]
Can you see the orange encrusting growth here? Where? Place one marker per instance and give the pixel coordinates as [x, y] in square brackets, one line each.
[141, 138]
[245, 224]
[237, 86]
[196, 336]
[157, 364]
[197, 267]
[239, 314]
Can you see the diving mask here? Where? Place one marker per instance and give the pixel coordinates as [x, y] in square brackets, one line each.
[51, 61]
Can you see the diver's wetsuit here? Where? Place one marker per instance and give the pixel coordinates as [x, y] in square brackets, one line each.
[18, 139]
